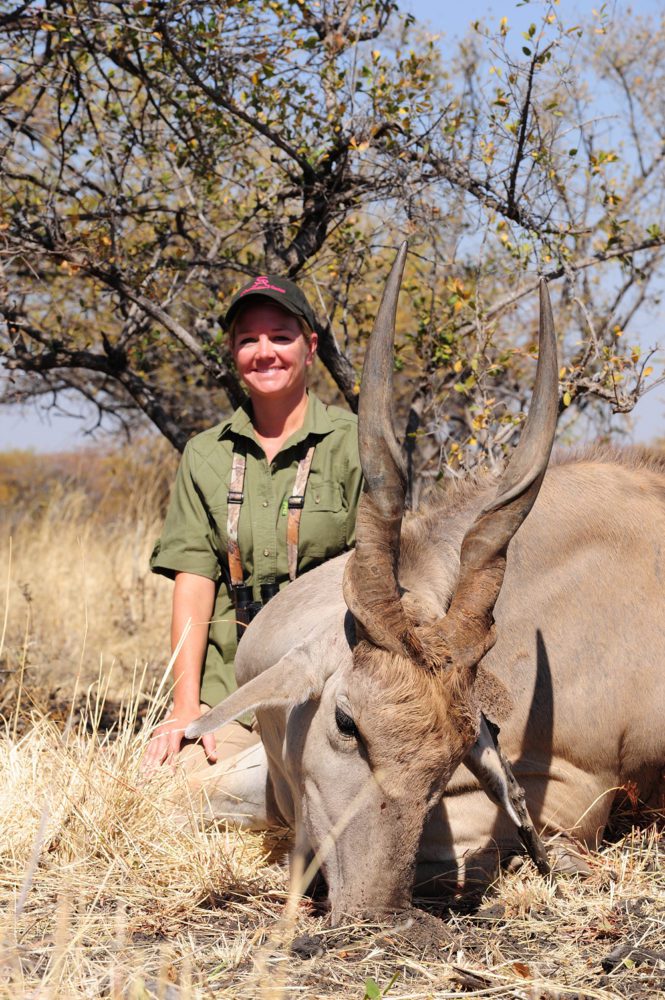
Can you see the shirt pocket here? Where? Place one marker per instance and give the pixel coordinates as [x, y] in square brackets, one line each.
[323, 523]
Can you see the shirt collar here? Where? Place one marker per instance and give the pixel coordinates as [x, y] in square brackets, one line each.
[316, 422]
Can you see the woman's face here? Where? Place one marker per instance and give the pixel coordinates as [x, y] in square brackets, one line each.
[270, 351]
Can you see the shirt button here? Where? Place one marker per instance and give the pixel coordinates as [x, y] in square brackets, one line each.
[317, 499]
[265, 503]
[266, 552]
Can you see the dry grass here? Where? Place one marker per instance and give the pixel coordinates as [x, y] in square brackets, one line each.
[100, 894]
[75, 587]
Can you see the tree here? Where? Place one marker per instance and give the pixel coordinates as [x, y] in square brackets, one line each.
[156, 154]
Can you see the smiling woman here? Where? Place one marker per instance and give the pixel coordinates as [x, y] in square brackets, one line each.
[272, 353]
[259, 499]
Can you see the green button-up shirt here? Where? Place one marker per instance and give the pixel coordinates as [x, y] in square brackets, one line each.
[194, 538]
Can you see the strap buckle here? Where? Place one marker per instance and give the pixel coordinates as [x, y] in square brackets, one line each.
[296, 502]
[234, 496]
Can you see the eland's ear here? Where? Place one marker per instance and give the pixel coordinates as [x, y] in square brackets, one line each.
[291, 681]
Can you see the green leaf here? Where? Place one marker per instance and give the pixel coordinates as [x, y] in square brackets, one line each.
[372, 991]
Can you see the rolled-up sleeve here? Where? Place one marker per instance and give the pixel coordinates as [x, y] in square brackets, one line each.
[186, 544]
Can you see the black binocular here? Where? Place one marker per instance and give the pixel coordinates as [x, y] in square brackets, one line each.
[247, 608]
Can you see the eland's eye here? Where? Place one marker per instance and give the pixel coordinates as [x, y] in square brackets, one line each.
[345, 723]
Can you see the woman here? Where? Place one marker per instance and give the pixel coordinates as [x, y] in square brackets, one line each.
[263, 496]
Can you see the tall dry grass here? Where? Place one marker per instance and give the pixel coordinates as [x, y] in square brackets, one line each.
[75, 588]
[102, 895]
[95, 877]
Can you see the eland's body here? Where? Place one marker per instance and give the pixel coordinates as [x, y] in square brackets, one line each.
[580, 647]
[370, 716]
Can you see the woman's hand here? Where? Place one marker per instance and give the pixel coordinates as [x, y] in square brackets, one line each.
[193, 601]
[166, 742]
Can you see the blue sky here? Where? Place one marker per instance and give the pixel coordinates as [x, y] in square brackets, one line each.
[42, 432]
[453, 19]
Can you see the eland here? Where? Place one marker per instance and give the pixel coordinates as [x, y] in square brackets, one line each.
[532, 604]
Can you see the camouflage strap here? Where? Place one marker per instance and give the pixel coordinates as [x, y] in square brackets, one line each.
[234, 501]
[296, 504]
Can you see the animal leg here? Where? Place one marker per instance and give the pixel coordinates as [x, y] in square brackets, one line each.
[237, 788]
[489, 765]
[567, 856]
[470, 874]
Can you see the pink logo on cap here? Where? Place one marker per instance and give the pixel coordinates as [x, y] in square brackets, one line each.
[261, 284]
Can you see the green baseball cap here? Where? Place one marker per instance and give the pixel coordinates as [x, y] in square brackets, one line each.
[283, 291]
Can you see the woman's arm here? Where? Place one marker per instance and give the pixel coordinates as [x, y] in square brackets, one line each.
[193, 599]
